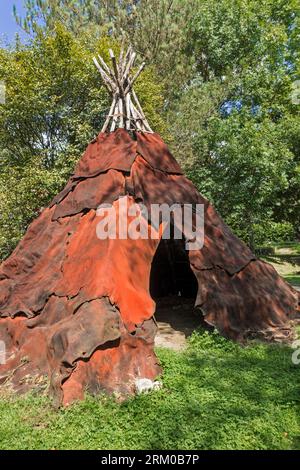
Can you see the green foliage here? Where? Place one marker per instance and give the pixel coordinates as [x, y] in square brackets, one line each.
[287, 205]
[157, 30]
[223, 72]
[226, 72]
[273, 231]
[216, 395]
[236, 127]
[24, 190]
[293, 279]
[242, 165]
[55, 104]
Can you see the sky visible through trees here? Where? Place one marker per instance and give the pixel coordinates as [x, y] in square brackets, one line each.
[218, 87]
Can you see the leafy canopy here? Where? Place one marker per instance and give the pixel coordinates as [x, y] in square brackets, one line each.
[55, 104]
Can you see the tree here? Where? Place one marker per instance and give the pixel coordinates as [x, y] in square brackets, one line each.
[239, 123]
[224, 66]
[155, 28]
[55, 104]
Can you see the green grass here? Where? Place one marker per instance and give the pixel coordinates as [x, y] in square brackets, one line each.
[293, 279]
[294, 247]
[216, 395]
[286, 260]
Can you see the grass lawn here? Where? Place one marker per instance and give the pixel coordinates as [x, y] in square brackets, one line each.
[216, 395]
[293, 279]
[286, 260]
[291, 247]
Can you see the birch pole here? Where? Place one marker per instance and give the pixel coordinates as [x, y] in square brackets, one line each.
[126, 110]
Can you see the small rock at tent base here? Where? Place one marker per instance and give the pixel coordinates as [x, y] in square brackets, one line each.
[146, 385]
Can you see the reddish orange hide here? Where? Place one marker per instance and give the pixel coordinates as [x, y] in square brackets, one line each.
[76, 310]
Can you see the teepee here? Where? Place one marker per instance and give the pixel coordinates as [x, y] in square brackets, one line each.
[76, 310]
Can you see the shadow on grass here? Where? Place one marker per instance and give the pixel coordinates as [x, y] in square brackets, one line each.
[281, 259]
[293, 279]
[246, 398]
[216, 395]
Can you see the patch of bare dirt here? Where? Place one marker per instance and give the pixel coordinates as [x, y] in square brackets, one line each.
[176, 320]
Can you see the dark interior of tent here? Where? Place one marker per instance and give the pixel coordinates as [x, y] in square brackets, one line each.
[174, 287]
[171, 274]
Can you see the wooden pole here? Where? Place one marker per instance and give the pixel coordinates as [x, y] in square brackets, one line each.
[107, 81]
[114, 119]
[141, 110]
[109, 115]
[115, 69]
[105, 66]
[126, 110]
[127, 101]
[135, 116]
[121, 113]
[131, 82]
[129, 65]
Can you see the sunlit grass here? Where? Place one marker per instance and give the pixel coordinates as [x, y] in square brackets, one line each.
[216, 395]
